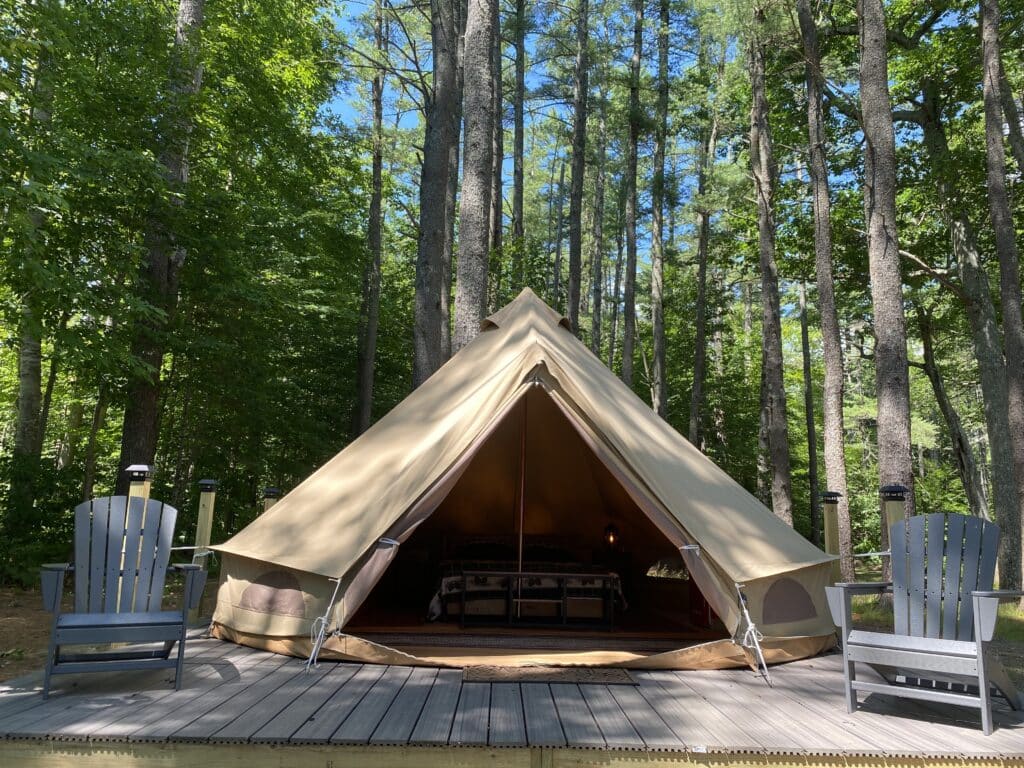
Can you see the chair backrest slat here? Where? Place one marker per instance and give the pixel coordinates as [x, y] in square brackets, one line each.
[122, 548]
[938, 560]
[915, 573]
[133, 555]
[157, 538]
[97, 533]
[969, 579]
[951, 584]
[115, 552]
[936, 531]
[83, 522]
[900, 594]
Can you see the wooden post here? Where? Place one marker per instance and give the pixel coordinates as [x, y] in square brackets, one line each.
[270, 497]
[830, 510]
[141, 477]
[204, 526]
[894, 509]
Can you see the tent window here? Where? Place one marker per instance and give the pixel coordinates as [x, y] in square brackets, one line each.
[787, 601]
[274, 592]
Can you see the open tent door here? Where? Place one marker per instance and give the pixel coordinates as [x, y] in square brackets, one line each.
[539, 543]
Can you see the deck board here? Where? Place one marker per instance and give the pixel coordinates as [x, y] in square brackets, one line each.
[508, 724]
[399, 720]
[578, 723]
[234, 696]
[472, 715]
[321, 726]
[435, 721]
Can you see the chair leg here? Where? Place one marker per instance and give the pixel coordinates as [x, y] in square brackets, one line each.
[985, 694]
[51, 659]
[179, 670]
[849, 674]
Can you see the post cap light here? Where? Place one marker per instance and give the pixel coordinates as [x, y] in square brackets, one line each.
[831, 497]
[139, 471]
[894, 493]
[271, 493]
[208, 486]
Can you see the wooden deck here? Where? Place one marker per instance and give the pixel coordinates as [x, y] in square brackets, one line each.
[244, 707]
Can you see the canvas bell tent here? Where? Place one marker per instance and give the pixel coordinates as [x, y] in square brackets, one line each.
[521, 495]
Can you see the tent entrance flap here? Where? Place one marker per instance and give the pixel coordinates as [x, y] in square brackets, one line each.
[538, 534]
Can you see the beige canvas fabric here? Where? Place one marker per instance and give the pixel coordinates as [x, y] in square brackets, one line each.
[392, 478]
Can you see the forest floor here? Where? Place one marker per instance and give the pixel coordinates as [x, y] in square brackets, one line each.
[25, 631]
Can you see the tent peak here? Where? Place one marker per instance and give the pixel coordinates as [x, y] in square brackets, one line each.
[525, 304]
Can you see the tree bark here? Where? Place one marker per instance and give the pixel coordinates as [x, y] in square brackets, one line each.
[164, 255]
[629, 287]
[764, 172]
[518, 138]
[579, 158]
[1010, 111]
[371, 280]
[891, 375]
[981, 313]
[659, 386]
[556, 274]
[494, 237]
[970, 476]
[440, 147]
[620, 226]
[1010, 290]
[477, 154]
[99, 417]
[705, 160]
[597, 230]
[833, 428]
[812, 432]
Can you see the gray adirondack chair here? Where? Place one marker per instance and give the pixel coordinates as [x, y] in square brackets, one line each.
[122, 550]
[944, 612]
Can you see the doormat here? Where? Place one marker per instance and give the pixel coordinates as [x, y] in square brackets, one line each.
[601, 675]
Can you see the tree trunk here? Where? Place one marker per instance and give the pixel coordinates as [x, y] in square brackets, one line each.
[494, 236]
[705, 160]
[1010, 291]
[518, 139]
[556, 274]
[371, 280]
[99, 417]
[579, 159]
[658, 383]
[620, 226]
[812, 432]
[831, 342]
[763, 165]
[27, 440]
[891, 375]
[69, 443]
[1012, 115]
[597, 231]
[440, 143]
[477, 157]
[980, 310]
[629, 288]
[164, 255]
[974, 486]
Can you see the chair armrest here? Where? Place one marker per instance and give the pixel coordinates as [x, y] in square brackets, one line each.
[195, 583]
[1000, 594]
[865, 587]
[51, 581]
[986, 610]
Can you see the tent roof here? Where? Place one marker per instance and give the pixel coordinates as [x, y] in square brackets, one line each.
[335, 516]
